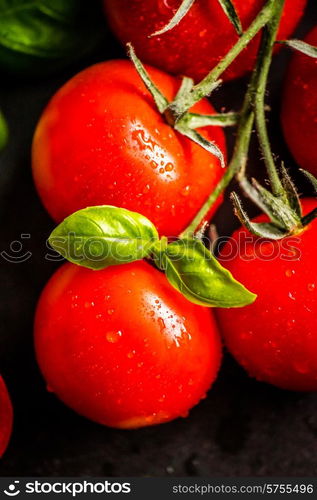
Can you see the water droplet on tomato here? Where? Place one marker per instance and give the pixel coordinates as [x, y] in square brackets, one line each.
[185, 191]
[161, 323]
[110, 311]
[311, 287]
[169, 167]
[131, 354]
[289, 273]
[114, 336]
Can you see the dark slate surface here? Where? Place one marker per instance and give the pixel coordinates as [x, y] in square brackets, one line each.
[242, 428]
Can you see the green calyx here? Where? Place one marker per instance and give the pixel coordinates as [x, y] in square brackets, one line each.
[99, 237]
[185, 7]
[175, 112]
[282, 204]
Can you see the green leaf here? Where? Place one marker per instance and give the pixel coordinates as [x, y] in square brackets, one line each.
[232, 15]
[38, 36]
[4, 134]
[176, 19]
[300, 46]
[98, 237]
[192, 269]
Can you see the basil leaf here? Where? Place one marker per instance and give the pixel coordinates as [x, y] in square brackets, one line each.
[300, 46]
[232, 15]
[3, 131]
[98, 237]
[192, 269]
[39, 36]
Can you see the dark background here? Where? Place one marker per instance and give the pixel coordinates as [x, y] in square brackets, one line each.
[243, 428]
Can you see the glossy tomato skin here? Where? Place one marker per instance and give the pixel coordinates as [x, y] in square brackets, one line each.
[101, 141]
[122, 347]
[299, 108]
[201, 39]
[275, 338]
[6, 417]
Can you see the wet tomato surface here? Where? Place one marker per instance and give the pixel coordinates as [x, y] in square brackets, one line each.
[275, 338]
[101, 141]
[122, 347]
[201, 39]
[6, 417]
[299, 108]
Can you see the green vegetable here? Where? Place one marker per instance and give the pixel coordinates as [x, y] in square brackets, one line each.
[99, 237]
[192, 269]
[38, 36]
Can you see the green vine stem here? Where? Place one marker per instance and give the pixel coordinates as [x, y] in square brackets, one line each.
[205, 87]
[237, 163]
[253, 103]
[263, 64]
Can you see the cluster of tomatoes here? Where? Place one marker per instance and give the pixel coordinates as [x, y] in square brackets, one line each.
[121, 346]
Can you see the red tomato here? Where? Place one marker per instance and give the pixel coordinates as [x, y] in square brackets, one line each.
[275, 339]
[6, 417]
[201, 39]
[122, 347]
[101, 140]
[299, 108]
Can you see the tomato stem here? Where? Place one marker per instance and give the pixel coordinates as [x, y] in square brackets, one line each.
[263, 65]
[205, 87]
[253, 109]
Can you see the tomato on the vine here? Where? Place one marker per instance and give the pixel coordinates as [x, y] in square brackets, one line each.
[275, 338]
[299, 108]
[122, 347]
[101, 140]
[6, 417]
[200, 40]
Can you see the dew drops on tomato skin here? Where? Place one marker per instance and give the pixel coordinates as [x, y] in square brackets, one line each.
[289, 273]
[114, 336]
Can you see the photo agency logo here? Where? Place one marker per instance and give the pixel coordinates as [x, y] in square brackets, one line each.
[82, 249]
[12, 489]
[69, 488]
